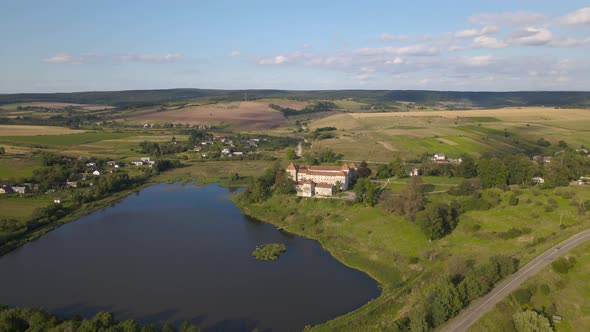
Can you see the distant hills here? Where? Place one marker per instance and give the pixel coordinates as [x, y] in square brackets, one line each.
[465, 99]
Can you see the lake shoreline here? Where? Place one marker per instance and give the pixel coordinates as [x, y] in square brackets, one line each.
[319, 253]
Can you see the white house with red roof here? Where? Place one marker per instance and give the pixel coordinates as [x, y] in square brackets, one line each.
[320, 180]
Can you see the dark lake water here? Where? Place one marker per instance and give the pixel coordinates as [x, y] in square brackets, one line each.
[174, 253]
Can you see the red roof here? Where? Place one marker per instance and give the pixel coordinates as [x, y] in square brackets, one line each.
[324, 185]
[291, 167]
[326, 173]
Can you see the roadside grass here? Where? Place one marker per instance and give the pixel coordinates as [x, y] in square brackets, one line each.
[565, 295]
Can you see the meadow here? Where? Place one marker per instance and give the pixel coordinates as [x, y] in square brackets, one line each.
[25, 130]
[375, 136]
[62, 140]
[398, 255]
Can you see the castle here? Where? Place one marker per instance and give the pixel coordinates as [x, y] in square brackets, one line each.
[321, 180]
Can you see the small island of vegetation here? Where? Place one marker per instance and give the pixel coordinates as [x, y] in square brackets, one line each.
[269, 252]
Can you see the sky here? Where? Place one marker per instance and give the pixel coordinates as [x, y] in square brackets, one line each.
[64, 46]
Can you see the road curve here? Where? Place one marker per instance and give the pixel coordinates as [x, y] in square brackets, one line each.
[484, 304]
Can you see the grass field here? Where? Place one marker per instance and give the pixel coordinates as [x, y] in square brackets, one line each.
[66, 140]
[565, 295]
[18, 130]
[17, 167]
[21, 208]
[377, 136]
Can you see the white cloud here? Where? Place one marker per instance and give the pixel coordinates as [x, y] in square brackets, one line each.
[154, 58]
[235, 53]
[507, 18]
[478, 61]
[530, 36]
[418, 50]
[306, 46]
[387, 37]
[580, 16]
[396, 61]
[486, 30]
[59, 58]
[569, 42]
[487, 42]
[86, 58]
[276, 60]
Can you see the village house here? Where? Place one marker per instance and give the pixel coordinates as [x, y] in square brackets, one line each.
[414, 172]
[538, 179]
[439, 158]
[72, 184]
[144, 161]
[320, 180]
[6, 189]
[96, 173]
[19, 190]
[226, 152]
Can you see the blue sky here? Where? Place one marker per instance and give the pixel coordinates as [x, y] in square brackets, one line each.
[53, 46]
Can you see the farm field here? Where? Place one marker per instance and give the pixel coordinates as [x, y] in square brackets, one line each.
[67, 140]
[25, 130]
[241, 115]
[16, 167]
[565, 295]
[55, 105]
[21, 209]
[375, 136]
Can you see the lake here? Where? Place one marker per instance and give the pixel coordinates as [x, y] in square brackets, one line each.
[174, 253]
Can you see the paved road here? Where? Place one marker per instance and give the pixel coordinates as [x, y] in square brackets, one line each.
[480, 307]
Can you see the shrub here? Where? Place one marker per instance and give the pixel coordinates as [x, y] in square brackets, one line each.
[563, 265]
[522, 296]
[513, 200]
[270, 251]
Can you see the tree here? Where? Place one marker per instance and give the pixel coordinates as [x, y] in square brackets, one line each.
[492, 172]
[2, 151]
[467, 167]
[397, 167]
[530, 321]
[364, 171]
[408, 202]
[186, 327]
[418, 322]
[437, 220]
[446, 303]
[520, 169]
[167, 328]
[291, 154]
[562, 144]
[384, 171]
[366, 191]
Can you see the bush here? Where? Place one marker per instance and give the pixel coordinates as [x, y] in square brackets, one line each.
[270, 251]
[563, 265]
[523, 296]
[513, 200]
